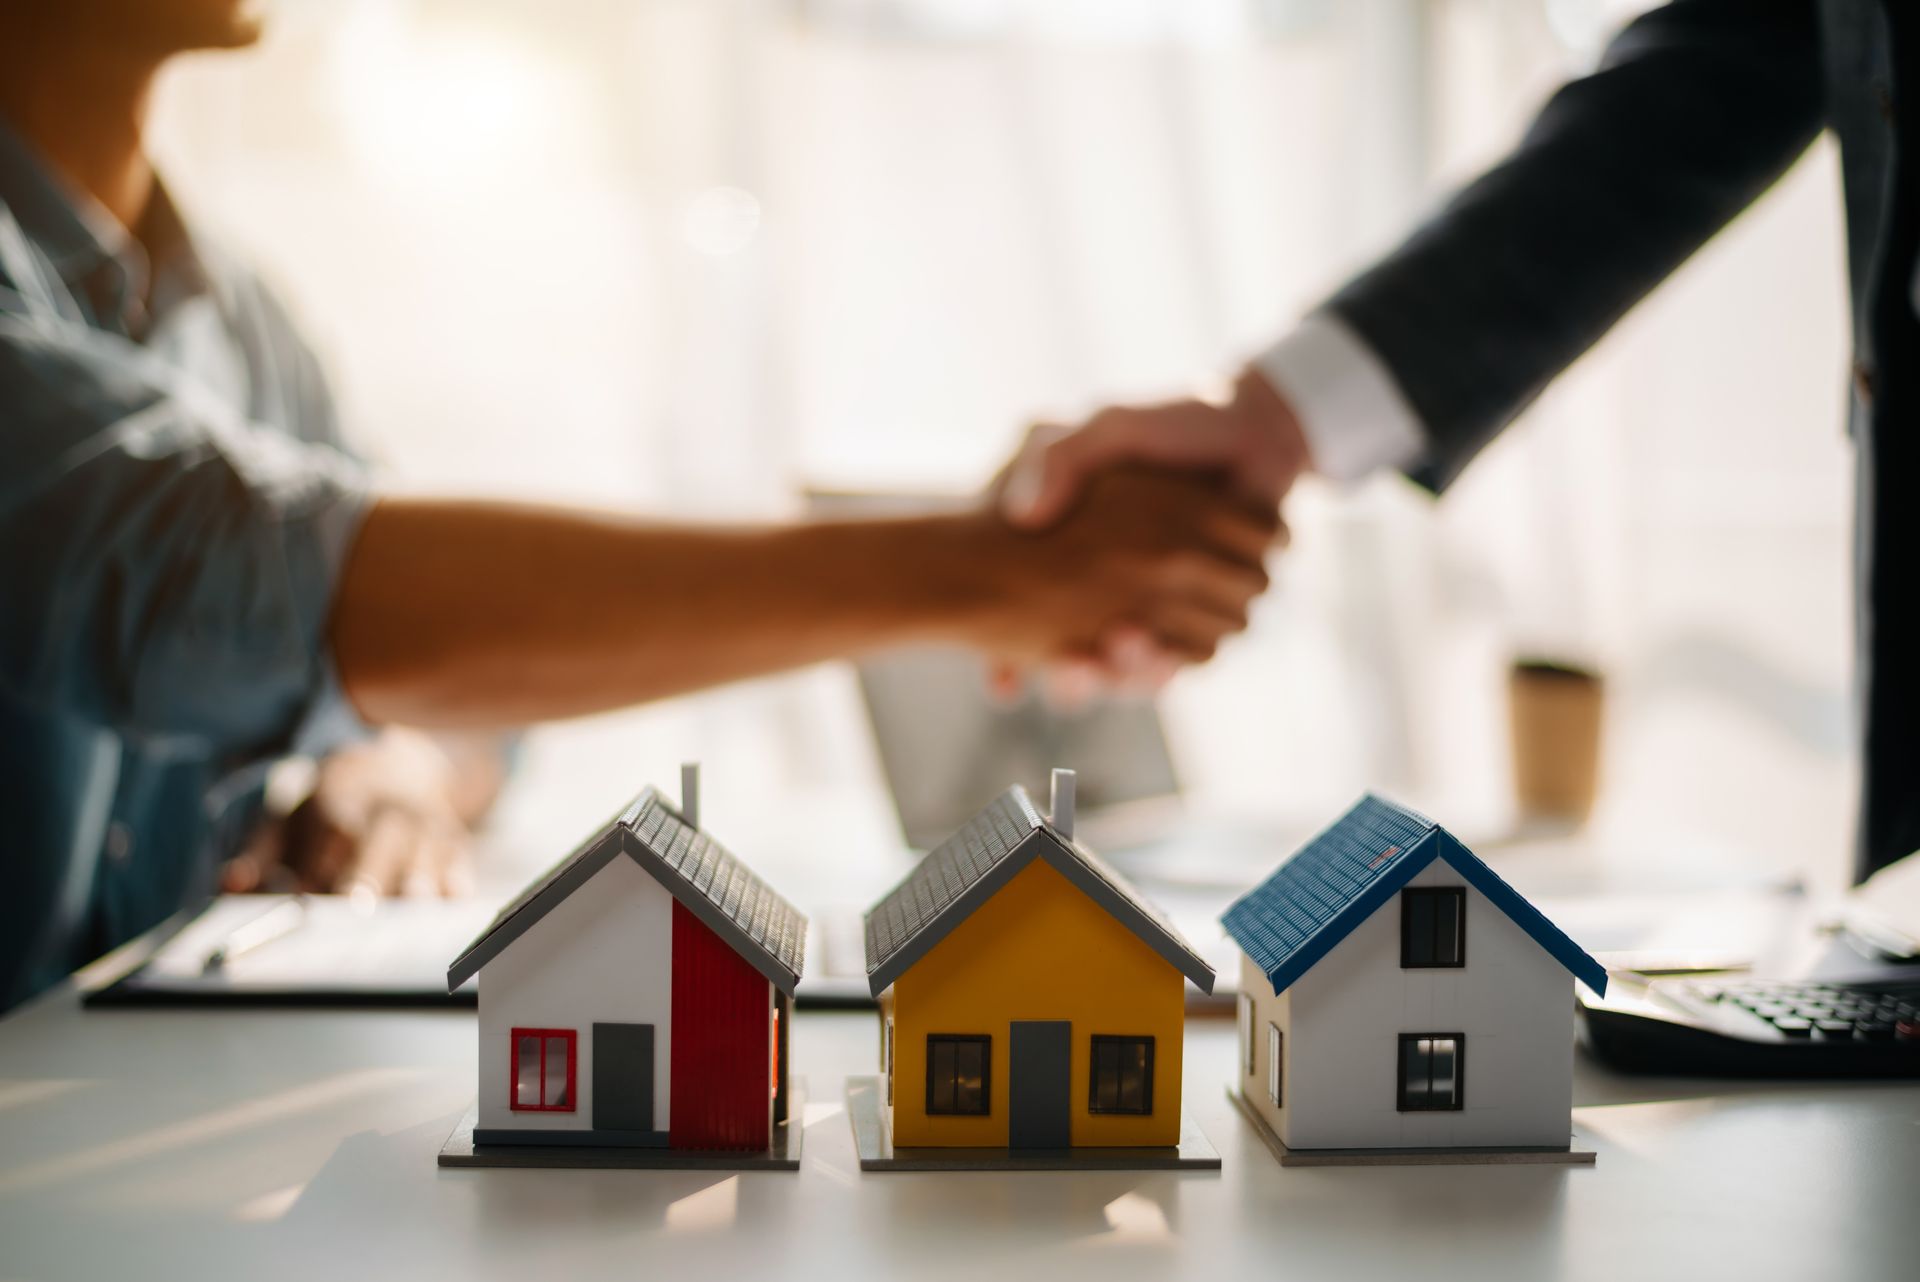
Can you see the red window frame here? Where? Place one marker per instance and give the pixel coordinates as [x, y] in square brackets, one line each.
[572, 1039]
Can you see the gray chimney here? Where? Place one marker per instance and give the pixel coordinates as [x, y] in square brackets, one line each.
[690, 793]
[1060, 811]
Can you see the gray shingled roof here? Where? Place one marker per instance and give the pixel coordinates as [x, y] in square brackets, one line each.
[698, 871]
[986, 852]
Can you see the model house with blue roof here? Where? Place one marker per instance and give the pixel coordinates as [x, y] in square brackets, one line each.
[1398, 999]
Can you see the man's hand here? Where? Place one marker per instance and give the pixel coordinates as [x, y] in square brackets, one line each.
[1253, 443]
[1174, 560]
[389, 816]
[1253, 440]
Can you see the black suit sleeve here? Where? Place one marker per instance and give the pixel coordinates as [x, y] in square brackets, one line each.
[1695, 110]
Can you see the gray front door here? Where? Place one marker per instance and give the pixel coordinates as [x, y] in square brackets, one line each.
[1041, 1052]
[623, 1077]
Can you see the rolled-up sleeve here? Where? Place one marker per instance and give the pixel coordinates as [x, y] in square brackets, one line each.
[168, 567]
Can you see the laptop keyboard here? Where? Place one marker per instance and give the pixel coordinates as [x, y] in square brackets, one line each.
[1833, 1012]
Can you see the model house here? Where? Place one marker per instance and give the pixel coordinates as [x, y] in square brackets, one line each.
[1397, 994]
[636, 995]
[1030, 999]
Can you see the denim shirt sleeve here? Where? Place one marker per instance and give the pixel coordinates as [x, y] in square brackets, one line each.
[169, 566]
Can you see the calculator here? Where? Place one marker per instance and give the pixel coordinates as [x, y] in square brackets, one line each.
[1757, 1027]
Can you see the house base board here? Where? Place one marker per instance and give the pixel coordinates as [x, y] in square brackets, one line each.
[873, 1139]
[783, 1155]
[1568, 1156]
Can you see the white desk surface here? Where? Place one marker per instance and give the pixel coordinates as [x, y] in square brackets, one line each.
[257, 1144]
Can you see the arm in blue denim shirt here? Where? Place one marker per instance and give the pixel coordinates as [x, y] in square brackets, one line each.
[169, 566]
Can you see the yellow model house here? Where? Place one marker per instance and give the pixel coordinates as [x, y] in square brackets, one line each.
[1029, 997]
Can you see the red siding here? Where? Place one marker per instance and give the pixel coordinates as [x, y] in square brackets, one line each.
[722, 1040]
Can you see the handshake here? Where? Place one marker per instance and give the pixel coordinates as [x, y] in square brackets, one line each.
[1138, 537]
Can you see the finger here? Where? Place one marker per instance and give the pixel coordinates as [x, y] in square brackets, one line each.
[317, 849]
[423, 864]
[1243, 531]
[1134, 662]
[1037, 438]
[1071, 684]
[444, 867]
[1149, 671]
[1019, 488]
[383, 853]
[1191, 631]
[456, 867]
[330, 858]
[1163, 669]
[1222, 585]
[238, 876]
[1046, 482]
[258, 861]
[1127, 651]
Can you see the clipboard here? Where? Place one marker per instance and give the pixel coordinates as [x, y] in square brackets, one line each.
[337, 951]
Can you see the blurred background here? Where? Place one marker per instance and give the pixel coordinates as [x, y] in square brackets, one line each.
[698, 256]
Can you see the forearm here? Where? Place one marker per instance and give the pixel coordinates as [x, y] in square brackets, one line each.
[1698, 107]
[466, 613]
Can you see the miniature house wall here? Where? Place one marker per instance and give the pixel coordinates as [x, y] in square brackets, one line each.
[1043, 1005]
[1359, 1050]
[572, 971]
[635, 995]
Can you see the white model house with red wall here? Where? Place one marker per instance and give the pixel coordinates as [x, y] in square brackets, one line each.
[1398, 996]
[635, 996]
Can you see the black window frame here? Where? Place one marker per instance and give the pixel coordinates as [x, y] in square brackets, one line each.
[1430, 897]
[1123, 1041]
[985, 1043]
[1403, 1101]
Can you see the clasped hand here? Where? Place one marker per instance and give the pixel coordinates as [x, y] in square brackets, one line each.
[1181, 499]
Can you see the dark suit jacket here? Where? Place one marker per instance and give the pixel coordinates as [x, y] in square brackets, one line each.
[1696, 109]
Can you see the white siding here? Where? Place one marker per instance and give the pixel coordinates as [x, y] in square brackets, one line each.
[1512, 1001]
[604, 954]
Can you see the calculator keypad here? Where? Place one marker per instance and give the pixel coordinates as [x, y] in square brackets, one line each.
[1830, 1012]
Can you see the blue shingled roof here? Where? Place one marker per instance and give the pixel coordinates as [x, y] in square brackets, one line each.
[1336, 881]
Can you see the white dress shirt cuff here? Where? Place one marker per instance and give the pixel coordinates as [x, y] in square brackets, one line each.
[1355, 418]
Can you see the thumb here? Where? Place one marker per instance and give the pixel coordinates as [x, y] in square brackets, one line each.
[1042, 479]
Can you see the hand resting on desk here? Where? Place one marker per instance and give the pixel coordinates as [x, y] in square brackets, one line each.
[390, 816]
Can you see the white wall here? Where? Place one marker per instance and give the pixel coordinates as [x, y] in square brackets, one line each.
[606, 954]
[1267, 1009]
[1512, 1000]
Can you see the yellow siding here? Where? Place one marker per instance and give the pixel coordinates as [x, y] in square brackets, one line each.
[1039, 949]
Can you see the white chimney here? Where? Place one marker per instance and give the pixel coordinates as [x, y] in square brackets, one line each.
[1060, 811]
[690, 793]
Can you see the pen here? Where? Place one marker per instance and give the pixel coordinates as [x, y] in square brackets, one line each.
[282, 919]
